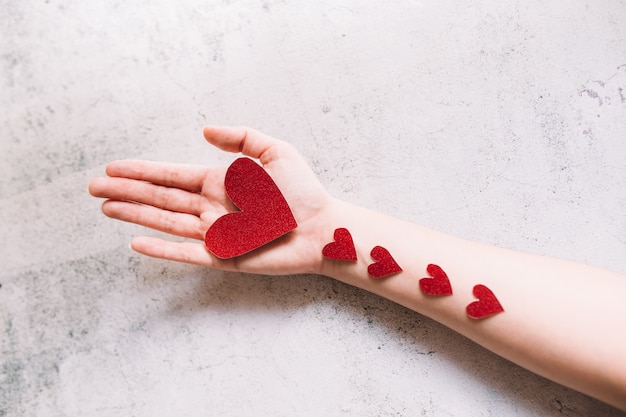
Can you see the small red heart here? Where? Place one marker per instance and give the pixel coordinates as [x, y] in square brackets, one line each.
[439, 284]
[264, 216]
[385, 265]
[487, 304]
[342, 249]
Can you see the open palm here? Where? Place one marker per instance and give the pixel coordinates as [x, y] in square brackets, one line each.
[184, 200]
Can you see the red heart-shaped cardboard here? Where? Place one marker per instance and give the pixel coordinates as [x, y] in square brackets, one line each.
[439, 284]
[264, 216]
[487, 304]
[342, 249]
[385, 265]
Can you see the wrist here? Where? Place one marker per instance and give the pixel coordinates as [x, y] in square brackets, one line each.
[411, 246]
[369, 229]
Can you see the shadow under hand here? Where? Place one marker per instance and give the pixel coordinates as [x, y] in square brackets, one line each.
[224, 291]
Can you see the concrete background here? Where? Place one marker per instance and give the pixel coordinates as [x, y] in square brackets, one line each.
[500, 121]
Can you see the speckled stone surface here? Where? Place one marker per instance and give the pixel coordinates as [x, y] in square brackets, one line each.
[499, 121]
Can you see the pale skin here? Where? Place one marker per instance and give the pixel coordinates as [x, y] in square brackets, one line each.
[563, 320]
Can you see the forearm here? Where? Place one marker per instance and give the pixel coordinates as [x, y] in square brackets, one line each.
[562, 320]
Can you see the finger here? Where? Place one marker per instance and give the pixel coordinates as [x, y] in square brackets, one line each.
[172, 199]
[188, 252]
[248, 141]
[183, 176]
[179, 224]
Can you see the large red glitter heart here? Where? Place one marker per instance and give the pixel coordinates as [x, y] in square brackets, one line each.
[439, 284]
[264, 216]
[487, 304]
[385, 265]
[342, 249]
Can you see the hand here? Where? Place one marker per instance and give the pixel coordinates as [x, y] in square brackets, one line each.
[184, 200]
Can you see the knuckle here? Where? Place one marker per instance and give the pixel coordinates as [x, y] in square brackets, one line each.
[172, 177]
[167, 223]
[161, 197]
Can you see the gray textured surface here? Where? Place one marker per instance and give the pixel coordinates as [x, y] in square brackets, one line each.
[498, 121]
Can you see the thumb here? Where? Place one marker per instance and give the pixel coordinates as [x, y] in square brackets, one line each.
[248, 141]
